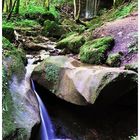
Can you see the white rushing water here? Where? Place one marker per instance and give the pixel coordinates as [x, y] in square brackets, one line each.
[91, 8]
[47, 132]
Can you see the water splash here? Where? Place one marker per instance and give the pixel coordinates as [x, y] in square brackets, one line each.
[47, 132]
[91, 8]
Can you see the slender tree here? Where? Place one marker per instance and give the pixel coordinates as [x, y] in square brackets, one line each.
[10, 14]
[3, 5]
[10, 5]
[17, 7]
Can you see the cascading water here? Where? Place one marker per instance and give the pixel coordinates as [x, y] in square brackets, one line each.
[91, 8]
[47, 132]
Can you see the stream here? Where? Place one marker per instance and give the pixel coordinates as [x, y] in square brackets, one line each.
[65, 121]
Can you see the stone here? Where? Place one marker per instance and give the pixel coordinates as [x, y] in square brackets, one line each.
[19, 105]
[72, 43]
[132, 66]
[8, 32]
[83, 84]
[114, 60]
[94, 52]
[52, 29]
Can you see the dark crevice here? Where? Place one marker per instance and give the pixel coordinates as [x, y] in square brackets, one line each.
[116, 121]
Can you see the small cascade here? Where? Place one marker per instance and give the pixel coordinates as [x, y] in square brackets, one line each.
[91, 8]
[47, 132]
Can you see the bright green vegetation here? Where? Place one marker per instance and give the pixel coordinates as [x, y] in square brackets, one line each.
[114, 60]
[94, 52]
[72, 42]
[15, 56]
[20, 23]
[32, 8]
[113, 14]
[53, 29]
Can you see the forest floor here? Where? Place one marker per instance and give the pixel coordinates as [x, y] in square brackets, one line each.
[124, 32]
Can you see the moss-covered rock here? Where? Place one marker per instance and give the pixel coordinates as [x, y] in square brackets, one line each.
[73, 43]
[14, 96]
[94, 52]
[114, 60]
[8, 32]
[83, 84]
[132, 66]
[12, 64]
[53, 29]
[71, 26]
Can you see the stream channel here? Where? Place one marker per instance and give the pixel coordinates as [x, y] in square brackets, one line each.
[61, 120]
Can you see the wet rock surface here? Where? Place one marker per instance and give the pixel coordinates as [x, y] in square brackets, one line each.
[83, 84]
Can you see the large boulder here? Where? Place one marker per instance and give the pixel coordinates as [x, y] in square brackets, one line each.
[19, 105]
[82, 84]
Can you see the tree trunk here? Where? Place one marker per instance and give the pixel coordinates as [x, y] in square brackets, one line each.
[3, 5]
[77, 9]
[10, 14]
[7, 8]
[10, 5]
[17, 7]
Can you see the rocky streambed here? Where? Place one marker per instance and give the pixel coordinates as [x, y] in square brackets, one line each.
[84, 101]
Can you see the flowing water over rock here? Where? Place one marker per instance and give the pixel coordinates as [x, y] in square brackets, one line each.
[91, 8]
[47, 132]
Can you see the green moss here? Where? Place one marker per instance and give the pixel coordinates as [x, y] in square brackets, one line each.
[52, 72]
[7, 107]
[93, 52]
[114, 60]
[72, 42]
[13, 60]
[15, 56]
[52, 75]
[53, 29]
[19, 23]
[71, 26]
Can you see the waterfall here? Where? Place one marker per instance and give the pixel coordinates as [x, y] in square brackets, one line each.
[91, 8]
[47, 132]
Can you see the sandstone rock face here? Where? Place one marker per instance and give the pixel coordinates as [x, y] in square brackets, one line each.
[82, 84]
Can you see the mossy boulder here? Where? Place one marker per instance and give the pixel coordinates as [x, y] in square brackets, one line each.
[114, 60]
[14, 97]
[82, 84]
[72, 42]
[94, 52]
[52, 29]
[132, 66]
[71, 26]
[8, 32]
